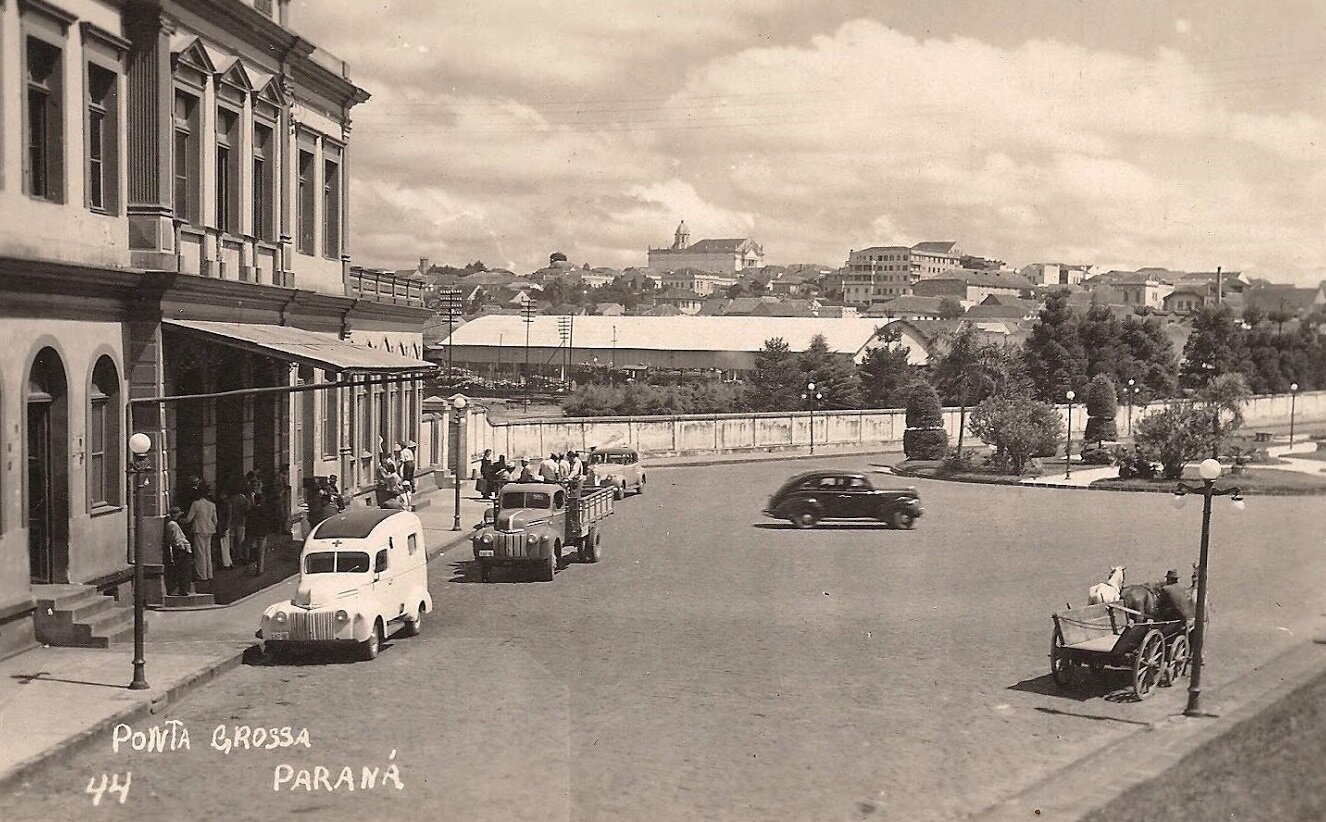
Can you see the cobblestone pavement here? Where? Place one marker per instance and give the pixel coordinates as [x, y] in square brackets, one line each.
[719, 665]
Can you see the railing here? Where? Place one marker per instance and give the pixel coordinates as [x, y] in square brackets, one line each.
[383, 287]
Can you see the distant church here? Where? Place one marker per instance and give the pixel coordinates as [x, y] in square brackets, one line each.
[714, 256]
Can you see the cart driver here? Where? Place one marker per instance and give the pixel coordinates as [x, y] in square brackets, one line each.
[1173, 602]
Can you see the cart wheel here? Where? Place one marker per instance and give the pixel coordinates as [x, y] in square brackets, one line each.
[1062, 667]
[1149, 663]
[1177, 659]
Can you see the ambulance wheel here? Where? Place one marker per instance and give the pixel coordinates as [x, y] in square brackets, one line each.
[369, 648]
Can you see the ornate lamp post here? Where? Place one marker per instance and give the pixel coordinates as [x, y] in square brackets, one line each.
[812, 395]
[1209, 472]
[139, 472]
[458, 407]
[1068, 441]
[1293, 397]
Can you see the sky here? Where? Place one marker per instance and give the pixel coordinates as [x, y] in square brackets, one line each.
[1122, 133]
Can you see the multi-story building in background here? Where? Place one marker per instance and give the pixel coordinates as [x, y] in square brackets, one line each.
[728, 256]
[173, 191]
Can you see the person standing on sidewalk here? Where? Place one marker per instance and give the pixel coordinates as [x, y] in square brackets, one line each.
[180, 554]
[240, 503]
[223, 529]
[407, 462]
[201, 521]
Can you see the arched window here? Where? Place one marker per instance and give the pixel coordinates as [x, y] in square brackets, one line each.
[104, 447]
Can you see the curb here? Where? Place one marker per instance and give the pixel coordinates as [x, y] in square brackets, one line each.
[73, 744]
[1092, 782]
[1278, 492]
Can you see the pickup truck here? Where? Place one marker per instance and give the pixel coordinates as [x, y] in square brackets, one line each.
[534, 521]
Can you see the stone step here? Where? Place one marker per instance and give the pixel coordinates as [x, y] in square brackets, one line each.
[65, 597]
[98, 632]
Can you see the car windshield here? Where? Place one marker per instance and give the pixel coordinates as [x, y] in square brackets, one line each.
[336, 562]
[612, 459]
[526, 499]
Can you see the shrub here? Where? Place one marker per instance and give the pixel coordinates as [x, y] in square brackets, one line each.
[1102, 406]
[1136, 466]
[1176, 435]
[923, 408]
[1094, 454]
[1018, 428]
[925, 443]
[962, 461]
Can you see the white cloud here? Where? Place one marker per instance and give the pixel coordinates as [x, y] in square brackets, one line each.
[859, 136]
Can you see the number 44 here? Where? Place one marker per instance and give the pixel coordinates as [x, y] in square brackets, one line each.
[111, 785]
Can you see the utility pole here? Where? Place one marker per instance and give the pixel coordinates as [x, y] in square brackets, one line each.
[564, 331]
[613, 362]
[452, 304]
[527, 312]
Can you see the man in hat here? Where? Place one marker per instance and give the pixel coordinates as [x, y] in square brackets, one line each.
[1172, 601]
[526, 473]
[548, 469]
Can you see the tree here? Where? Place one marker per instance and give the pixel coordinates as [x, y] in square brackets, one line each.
[925, 437]
[886, 374]
[951, 309]
[1102, 406]
[1147, 357]
[1215, 347]
[1222, 400]
[834, 375]
[1175, 435]
[776, 382]
[1056, 359]
[1101, 333]
[1017, 427]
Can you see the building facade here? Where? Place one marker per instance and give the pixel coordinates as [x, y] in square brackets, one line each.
[172, 185]
[727, 256]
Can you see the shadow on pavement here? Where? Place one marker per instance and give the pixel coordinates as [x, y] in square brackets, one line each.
[1094, 717]
[1084, 687]
[295, 657]
[827, 526]
[467, 571]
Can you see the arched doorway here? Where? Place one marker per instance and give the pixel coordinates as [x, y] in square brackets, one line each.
[48, 469]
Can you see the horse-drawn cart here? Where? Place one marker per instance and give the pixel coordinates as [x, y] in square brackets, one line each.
[1103, 636]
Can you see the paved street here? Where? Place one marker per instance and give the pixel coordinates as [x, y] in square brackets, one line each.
[717, 665]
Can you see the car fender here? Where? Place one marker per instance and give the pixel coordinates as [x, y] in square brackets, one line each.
[813, 503]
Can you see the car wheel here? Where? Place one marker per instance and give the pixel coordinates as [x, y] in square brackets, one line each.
[640, 488]
[413, 627]
[371, 647]
[804, 518]
[618, 492]
[903, 520]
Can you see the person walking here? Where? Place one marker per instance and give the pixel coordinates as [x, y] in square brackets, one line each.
[201, 522]
[180, 555]
[257, 525]
[237, 523]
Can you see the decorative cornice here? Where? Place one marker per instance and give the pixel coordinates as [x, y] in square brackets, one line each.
[120, 45]
[54, 13]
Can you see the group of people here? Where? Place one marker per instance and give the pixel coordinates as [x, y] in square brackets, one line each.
[325, 499]
[567, 467]
[396, 477]
[235, 527]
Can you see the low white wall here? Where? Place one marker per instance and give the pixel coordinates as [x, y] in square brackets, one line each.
[715, 433]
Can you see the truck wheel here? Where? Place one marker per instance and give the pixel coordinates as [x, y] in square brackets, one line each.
[591, 549]
[369, 648]
[548, 569]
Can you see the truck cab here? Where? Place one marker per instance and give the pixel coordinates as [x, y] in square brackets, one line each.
[533, 522]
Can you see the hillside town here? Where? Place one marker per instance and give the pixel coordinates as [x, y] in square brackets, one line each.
[738, 527]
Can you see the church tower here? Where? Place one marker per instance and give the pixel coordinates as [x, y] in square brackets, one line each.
[683, 236]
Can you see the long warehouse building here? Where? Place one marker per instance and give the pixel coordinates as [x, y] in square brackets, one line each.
[495, 344]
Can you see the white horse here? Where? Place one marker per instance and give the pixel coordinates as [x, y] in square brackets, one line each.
[1107, 591]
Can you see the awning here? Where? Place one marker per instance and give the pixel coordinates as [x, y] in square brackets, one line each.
[325, 351]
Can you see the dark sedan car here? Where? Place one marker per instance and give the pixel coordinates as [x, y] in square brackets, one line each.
[834, 494]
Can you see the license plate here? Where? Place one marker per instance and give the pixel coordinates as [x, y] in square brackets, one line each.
[279, 635]
[485, 552]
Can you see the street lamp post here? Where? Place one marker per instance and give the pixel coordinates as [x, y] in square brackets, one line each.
[812, 395]
[1068, 440]
[139, 474]
[458, 404]
[527, 312]
[1128, 395]
[1209, 472]
[1293, 397]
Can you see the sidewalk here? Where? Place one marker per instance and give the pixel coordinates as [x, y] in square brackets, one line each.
[55, 700]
